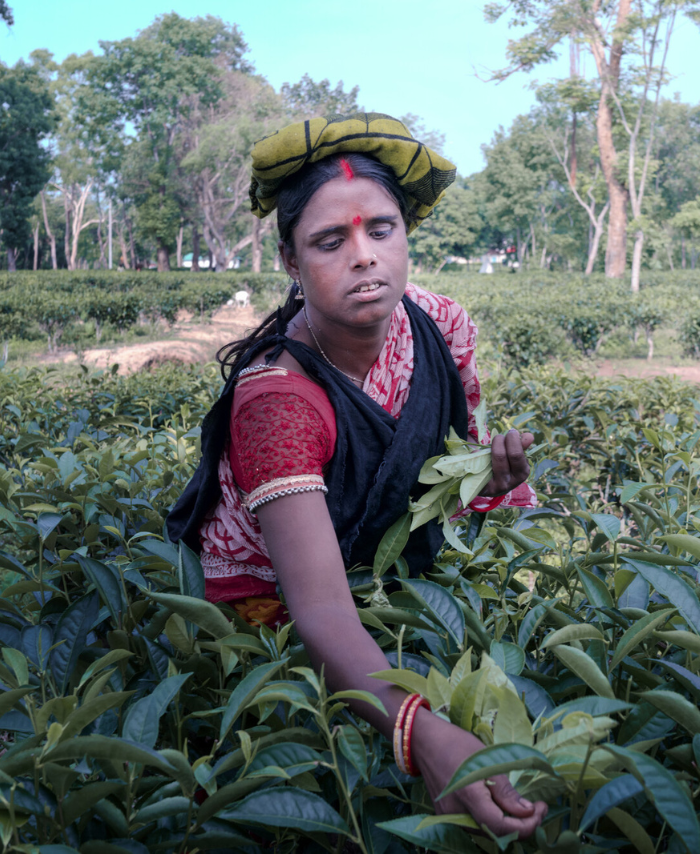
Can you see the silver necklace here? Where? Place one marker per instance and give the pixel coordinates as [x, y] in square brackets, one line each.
[349, 376]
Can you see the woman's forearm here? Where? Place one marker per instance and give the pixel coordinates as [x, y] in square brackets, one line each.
[337, 642]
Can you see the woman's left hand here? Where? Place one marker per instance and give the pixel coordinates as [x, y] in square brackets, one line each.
[509, 463]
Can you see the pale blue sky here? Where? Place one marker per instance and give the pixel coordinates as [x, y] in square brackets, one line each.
[404, 56]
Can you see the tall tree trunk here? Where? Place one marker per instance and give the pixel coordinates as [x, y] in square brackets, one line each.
[180, 235]
[49, 233]
[609, 74]
[66, 236]
[134, 259]
[257, 246]
[195, 248]
[36, 247]
[163, 257]
[616, 252]
[669, 255]
[595, 243]
[574, 160]
[124, 248]
[11, 259]
[637, 259]
[100, 241]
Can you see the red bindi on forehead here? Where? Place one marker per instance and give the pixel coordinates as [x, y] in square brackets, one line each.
[347, 168]
[357, 220]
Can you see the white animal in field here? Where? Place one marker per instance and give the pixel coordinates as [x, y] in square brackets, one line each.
[242, 299]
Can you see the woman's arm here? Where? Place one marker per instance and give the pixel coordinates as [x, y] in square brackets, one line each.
[304, 550]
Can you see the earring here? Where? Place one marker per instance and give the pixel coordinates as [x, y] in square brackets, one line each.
[300, 293]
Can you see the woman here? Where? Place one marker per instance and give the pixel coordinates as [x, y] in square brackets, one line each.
[331, 409]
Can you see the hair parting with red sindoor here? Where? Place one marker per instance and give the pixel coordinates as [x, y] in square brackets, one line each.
[293, 197]
[347, 168]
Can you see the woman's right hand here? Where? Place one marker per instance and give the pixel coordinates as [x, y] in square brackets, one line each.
[438, 748]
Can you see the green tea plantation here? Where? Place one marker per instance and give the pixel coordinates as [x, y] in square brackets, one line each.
[137, 717]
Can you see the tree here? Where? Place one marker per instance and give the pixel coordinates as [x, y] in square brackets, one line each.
[216, 142]
[307, 99]
[26, 119]
[453, 229]
[432, 138]
[76, 171]
[6, 13]
[141, 88]
[687, 221]
[575, 96]
[677, 157]
[611, 31]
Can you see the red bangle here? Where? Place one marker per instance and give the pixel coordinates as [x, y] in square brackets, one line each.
[408, 733]
[398, 731]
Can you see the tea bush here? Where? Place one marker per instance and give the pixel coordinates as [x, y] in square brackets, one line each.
[137, 717]
[530, 316]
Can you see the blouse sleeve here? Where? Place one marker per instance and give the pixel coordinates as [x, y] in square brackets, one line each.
[280, 444]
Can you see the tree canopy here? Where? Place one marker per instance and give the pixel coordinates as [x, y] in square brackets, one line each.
[158, 129]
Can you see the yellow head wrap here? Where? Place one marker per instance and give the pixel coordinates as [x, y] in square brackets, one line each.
[422, 174]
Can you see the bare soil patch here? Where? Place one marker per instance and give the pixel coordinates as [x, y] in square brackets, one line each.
[642, 368]
[189, 342]
[192, 342]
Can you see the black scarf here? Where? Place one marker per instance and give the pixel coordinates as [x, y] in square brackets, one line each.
[377, 458]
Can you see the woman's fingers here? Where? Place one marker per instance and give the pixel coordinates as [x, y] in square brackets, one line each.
[508, 461]
[480, 803]
[508, 799]
[518, 466]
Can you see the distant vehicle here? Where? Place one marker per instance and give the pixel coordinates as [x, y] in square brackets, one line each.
[204, 262]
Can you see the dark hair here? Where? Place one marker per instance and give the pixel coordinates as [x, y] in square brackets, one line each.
[292, 198]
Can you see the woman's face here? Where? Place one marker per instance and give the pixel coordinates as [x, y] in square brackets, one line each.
[350, 253]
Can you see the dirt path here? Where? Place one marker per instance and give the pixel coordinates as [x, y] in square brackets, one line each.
[642, 368]
[193, 342]
[189, 342]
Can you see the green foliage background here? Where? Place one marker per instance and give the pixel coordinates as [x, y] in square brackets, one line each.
[139, 717]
